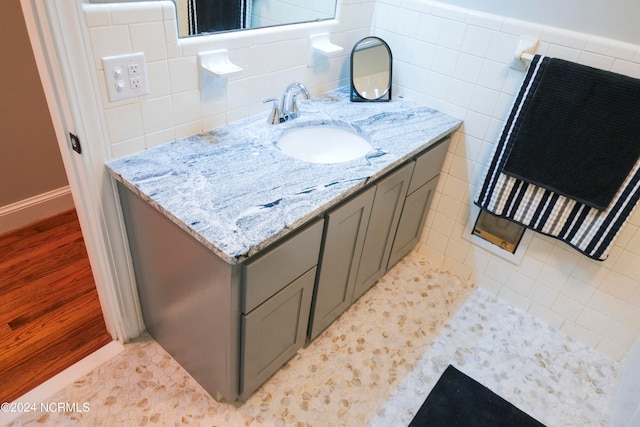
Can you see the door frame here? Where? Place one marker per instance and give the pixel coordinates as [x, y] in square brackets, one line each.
[59, 39]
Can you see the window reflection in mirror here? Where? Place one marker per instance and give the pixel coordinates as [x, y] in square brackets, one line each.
[199, 17]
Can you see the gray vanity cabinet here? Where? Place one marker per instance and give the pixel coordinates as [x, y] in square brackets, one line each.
[276, 299]
[345, 231]
[416, 206]
[385, 214]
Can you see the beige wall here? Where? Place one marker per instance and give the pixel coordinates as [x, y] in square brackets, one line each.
[30, 162]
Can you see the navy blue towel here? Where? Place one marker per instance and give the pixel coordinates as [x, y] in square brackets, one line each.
[578, 133]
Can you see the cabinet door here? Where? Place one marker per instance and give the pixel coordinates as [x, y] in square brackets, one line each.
[385, 214]
[274, 331]
[344, 236]
[412, 221]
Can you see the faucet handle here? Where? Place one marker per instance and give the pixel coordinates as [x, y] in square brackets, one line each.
[274, 116]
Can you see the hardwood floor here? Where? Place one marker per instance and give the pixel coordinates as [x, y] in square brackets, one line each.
[50, 316]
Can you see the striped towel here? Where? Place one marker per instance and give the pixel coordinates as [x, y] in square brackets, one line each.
[589, 230]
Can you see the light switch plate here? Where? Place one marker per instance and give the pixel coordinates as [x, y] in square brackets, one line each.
[125, 76]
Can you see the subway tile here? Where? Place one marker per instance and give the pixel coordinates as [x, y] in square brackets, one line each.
[429, 28]
[442, 223]
[620, 335]
[522, 29]
[468, 67]
[530, 266]
[109, 41]
[611, 307]
[567, 307]
[408, 21]
[149, 38]
[628, 68]
[633, 244]
[477, 259]
[619, 286]
[134, 13]
[492, 75]
[186, 107]
[477, 124]
[124, 148]
[484, 100]
[502, 47]
[611, 350]
[97, 15]
[451, 12]
[498, 270]
[460, 94]
[580, 333]
[551, 277]
[564, 38]
[183, 73]
[157, 114]
[487, 283]
[437, 241]
[563, 52]
[547, 315]
[457, 250]
[159, 80]
[520, 283]
[563, 258]
[124, 122]
[541, 294]
[577, 290]
[476, 41]
[610, 48]
[452, 34]
[514, 298]
[628, 264]
[161, 137]
[484, 20]
[593, 321]
[596, 60]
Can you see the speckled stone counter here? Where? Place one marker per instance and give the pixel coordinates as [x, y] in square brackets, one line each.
[234, 190]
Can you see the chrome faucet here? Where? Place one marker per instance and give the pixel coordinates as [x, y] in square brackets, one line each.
[288, 106]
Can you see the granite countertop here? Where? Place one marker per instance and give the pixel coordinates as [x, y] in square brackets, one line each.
[234, 190]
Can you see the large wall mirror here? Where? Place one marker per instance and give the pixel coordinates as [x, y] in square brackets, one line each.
[200, 17]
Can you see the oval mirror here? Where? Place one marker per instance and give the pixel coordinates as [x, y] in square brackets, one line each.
[371, 63]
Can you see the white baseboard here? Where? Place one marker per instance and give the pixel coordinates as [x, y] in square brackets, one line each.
[35, 208]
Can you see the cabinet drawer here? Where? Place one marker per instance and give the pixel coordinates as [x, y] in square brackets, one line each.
[429, 164]
[281, 265]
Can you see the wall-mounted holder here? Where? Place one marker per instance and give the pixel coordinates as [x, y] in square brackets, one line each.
[320, 45]
[523, 54]
[217, 64]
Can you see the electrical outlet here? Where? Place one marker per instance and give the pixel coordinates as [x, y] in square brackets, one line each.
[125, 76]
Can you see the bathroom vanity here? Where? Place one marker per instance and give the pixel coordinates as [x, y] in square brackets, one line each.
[243, 254]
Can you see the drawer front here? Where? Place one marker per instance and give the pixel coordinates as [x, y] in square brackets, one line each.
[429, 165]
[269, 273]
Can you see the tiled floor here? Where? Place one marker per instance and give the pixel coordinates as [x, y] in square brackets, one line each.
[373, 367]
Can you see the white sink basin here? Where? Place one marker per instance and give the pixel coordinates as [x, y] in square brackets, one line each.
[323, 144]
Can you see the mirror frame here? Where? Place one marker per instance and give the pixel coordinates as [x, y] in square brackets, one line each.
[386, 96]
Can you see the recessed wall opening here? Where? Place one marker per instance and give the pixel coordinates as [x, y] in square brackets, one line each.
[499, 231]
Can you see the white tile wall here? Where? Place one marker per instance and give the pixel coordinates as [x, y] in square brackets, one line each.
[181, 101]
[457, 61]
[450, 58]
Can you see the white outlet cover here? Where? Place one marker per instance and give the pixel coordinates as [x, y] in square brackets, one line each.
[117, 75]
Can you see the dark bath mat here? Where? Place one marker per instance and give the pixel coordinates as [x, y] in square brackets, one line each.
[458, 400]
